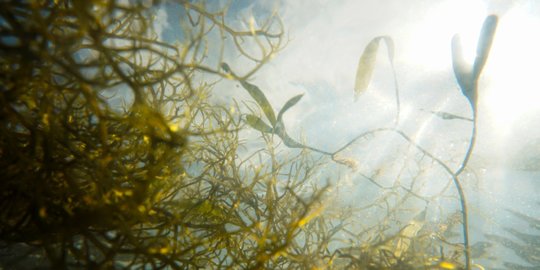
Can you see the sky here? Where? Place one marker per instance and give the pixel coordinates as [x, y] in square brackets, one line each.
[326, 39]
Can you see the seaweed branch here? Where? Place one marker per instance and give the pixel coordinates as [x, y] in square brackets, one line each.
[467, 78]
[468, 81]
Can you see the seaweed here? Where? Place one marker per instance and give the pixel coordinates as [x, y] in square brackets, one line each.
[467, 78]
[114, 155]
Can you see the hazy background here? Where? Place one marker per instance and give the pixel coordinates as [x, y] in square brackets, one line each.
[326, 39]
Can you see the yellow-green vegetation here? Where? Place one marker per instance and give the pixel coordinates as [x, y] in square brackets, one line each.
[113, 154]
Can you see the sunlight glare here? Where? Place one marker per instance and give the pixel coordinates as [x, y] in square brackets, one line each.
[431, 40]
[507, 84]
[511, 71]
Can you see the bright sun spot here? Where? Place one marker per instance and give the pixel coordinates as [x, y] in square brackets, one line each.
[431, 38]
[508, 84]
[511, 73]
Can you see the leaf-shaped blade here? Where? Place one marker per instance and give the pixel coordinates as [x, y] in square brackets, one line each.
[462, 70]
[366, 65]
[484, 44]
[404, 240]
[258, 124]
[226, 67]
[290, 142]
[408, 232]
[449, 116]
[260, 98]
[389, 46]
[291, 102]
[287, 140]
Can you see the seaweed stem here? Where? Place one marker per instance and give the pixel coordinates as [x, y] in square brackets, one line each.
[462, 198]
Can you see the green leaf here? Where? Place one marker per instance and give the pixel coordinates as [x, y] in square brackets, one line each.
[462, 71]
[256, 93]
[390, 47]
[226, 67]
[260, 98]
[258, 124]
[291, 102]
[408, 233]
[449, 116]
[484, 44]
[466, 75]
[366, 65]
[290, 142]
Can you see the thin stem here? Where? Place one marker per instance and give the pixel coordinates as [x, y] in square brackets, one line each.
[464, 210]
[396, 87]
[470, 149]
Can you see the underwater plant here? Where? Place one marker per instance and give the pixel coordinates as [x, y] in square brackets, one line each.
[114, 153]
[467, 78]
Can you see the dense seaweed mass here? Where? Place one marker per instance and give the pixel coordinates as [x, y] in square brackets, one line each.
[116, 154]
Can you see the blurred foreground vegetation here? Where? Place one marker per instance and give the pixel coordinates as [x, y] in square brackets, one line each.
[114, 155]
